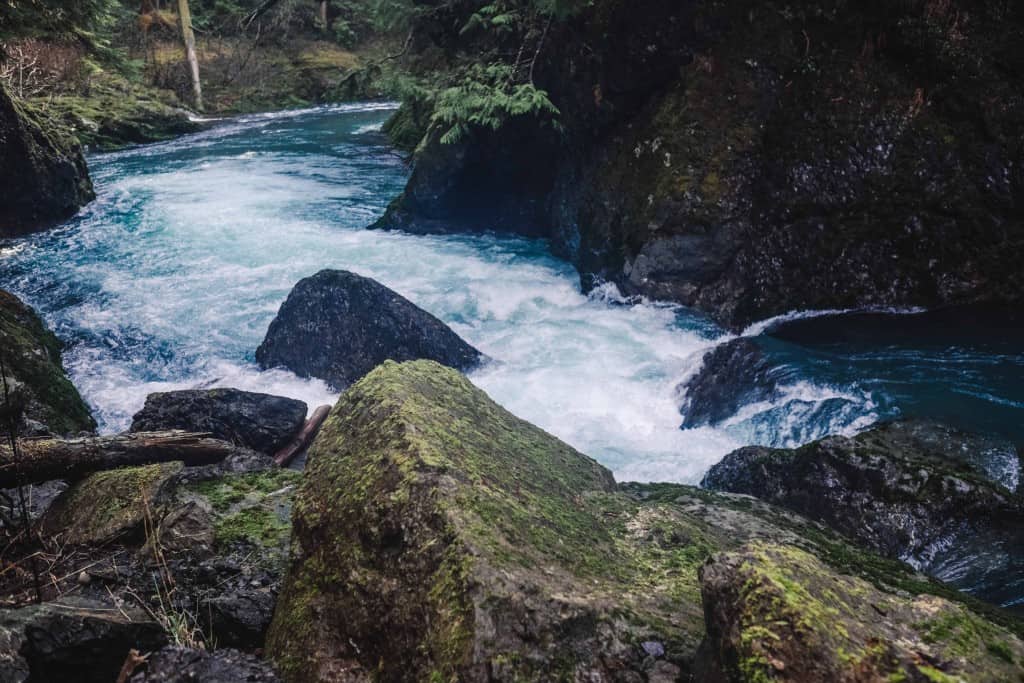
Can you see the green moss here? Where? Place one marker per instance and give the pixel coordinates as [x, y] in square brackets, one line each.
[109, 505]
[256, 525]
[224, 492]
[32, 355]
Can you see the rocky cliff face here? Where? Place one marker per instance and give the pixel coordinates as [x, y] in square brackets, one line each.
[43, 177]
[751, 158]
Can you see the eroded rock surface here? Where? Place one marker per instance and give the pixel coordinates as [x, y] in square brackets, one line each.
[337, 326]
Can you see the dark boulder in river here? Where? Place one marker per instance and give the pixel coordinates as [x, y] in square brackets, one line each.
[943, 500]
[43, 177]
[734, 374]
[337, 326]
[38, 387]
[261, 422]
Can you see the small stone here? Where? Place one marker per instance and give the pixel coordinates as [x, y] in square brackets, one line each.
[653, 648]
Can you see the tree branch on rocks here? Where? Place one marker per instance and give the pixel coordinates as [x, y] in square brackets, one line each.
[46, 459]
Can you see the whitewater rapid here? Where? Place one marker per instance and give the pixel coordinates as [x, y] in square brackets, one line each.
[171, 277]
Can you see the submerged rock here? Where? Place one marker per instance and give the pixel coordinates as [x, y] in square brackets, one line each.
[917, 491]
[35, 375]
[777, 613]
[43, 177]
[438, 537]
[72, 639]
[261, 422]
[337, 326]
[734, 374]
[184, 665]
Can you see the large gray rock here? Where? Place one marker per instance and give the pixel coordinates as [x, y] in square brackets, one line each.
[261, 422]
[337, 326]
[940, 499]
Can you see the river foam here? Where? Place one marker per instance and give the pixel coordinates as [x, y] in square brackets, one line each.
[170, 279]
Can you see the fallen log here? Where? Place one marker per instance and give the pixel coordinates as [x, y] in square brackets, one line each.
[47, 459]
[304, 438]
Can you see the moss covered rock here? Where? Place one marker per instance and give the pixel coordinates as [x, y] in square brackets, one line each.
[35, 376]
[111, 506]
[779, 613]
[43, 177]
[438, 537]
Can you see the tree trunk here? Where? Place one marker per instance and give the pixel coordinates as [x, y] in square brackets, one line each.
[304, 438]
[46, 459]
[185, 16]
[323, 14]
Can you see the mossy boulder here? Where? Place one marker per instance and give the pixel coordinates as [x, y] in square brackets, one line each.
[111, 506]
[777, 613]
[438, 537]
[43, 176]
[939, 498]
[34, 373]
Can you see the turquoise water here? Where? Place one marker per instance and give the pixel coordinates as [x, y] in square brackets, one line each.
[171, 277]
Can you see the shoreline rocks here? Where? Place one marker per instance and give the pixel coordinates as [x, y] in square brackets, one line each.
[43, 176]
[943, 500]
[261, 422]
[40, 390]
[337, 326]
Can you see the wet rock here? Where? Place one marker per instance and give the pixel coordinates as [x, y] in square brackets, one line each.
[261, 422]
[183, 665]
[337, 326]
[778, 613]
[436, 535]
[916, 490]
[110, 506]
[43, 176]
[734, 374]
[240, 617]
[41, 394]
[72, 640]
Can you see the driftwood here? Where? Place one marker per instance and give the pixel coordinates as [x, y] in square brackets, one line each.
[46, 459]
[304, 438]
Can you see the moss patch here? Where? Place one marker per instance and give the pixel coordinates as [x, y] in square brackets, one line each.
[109, 506]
